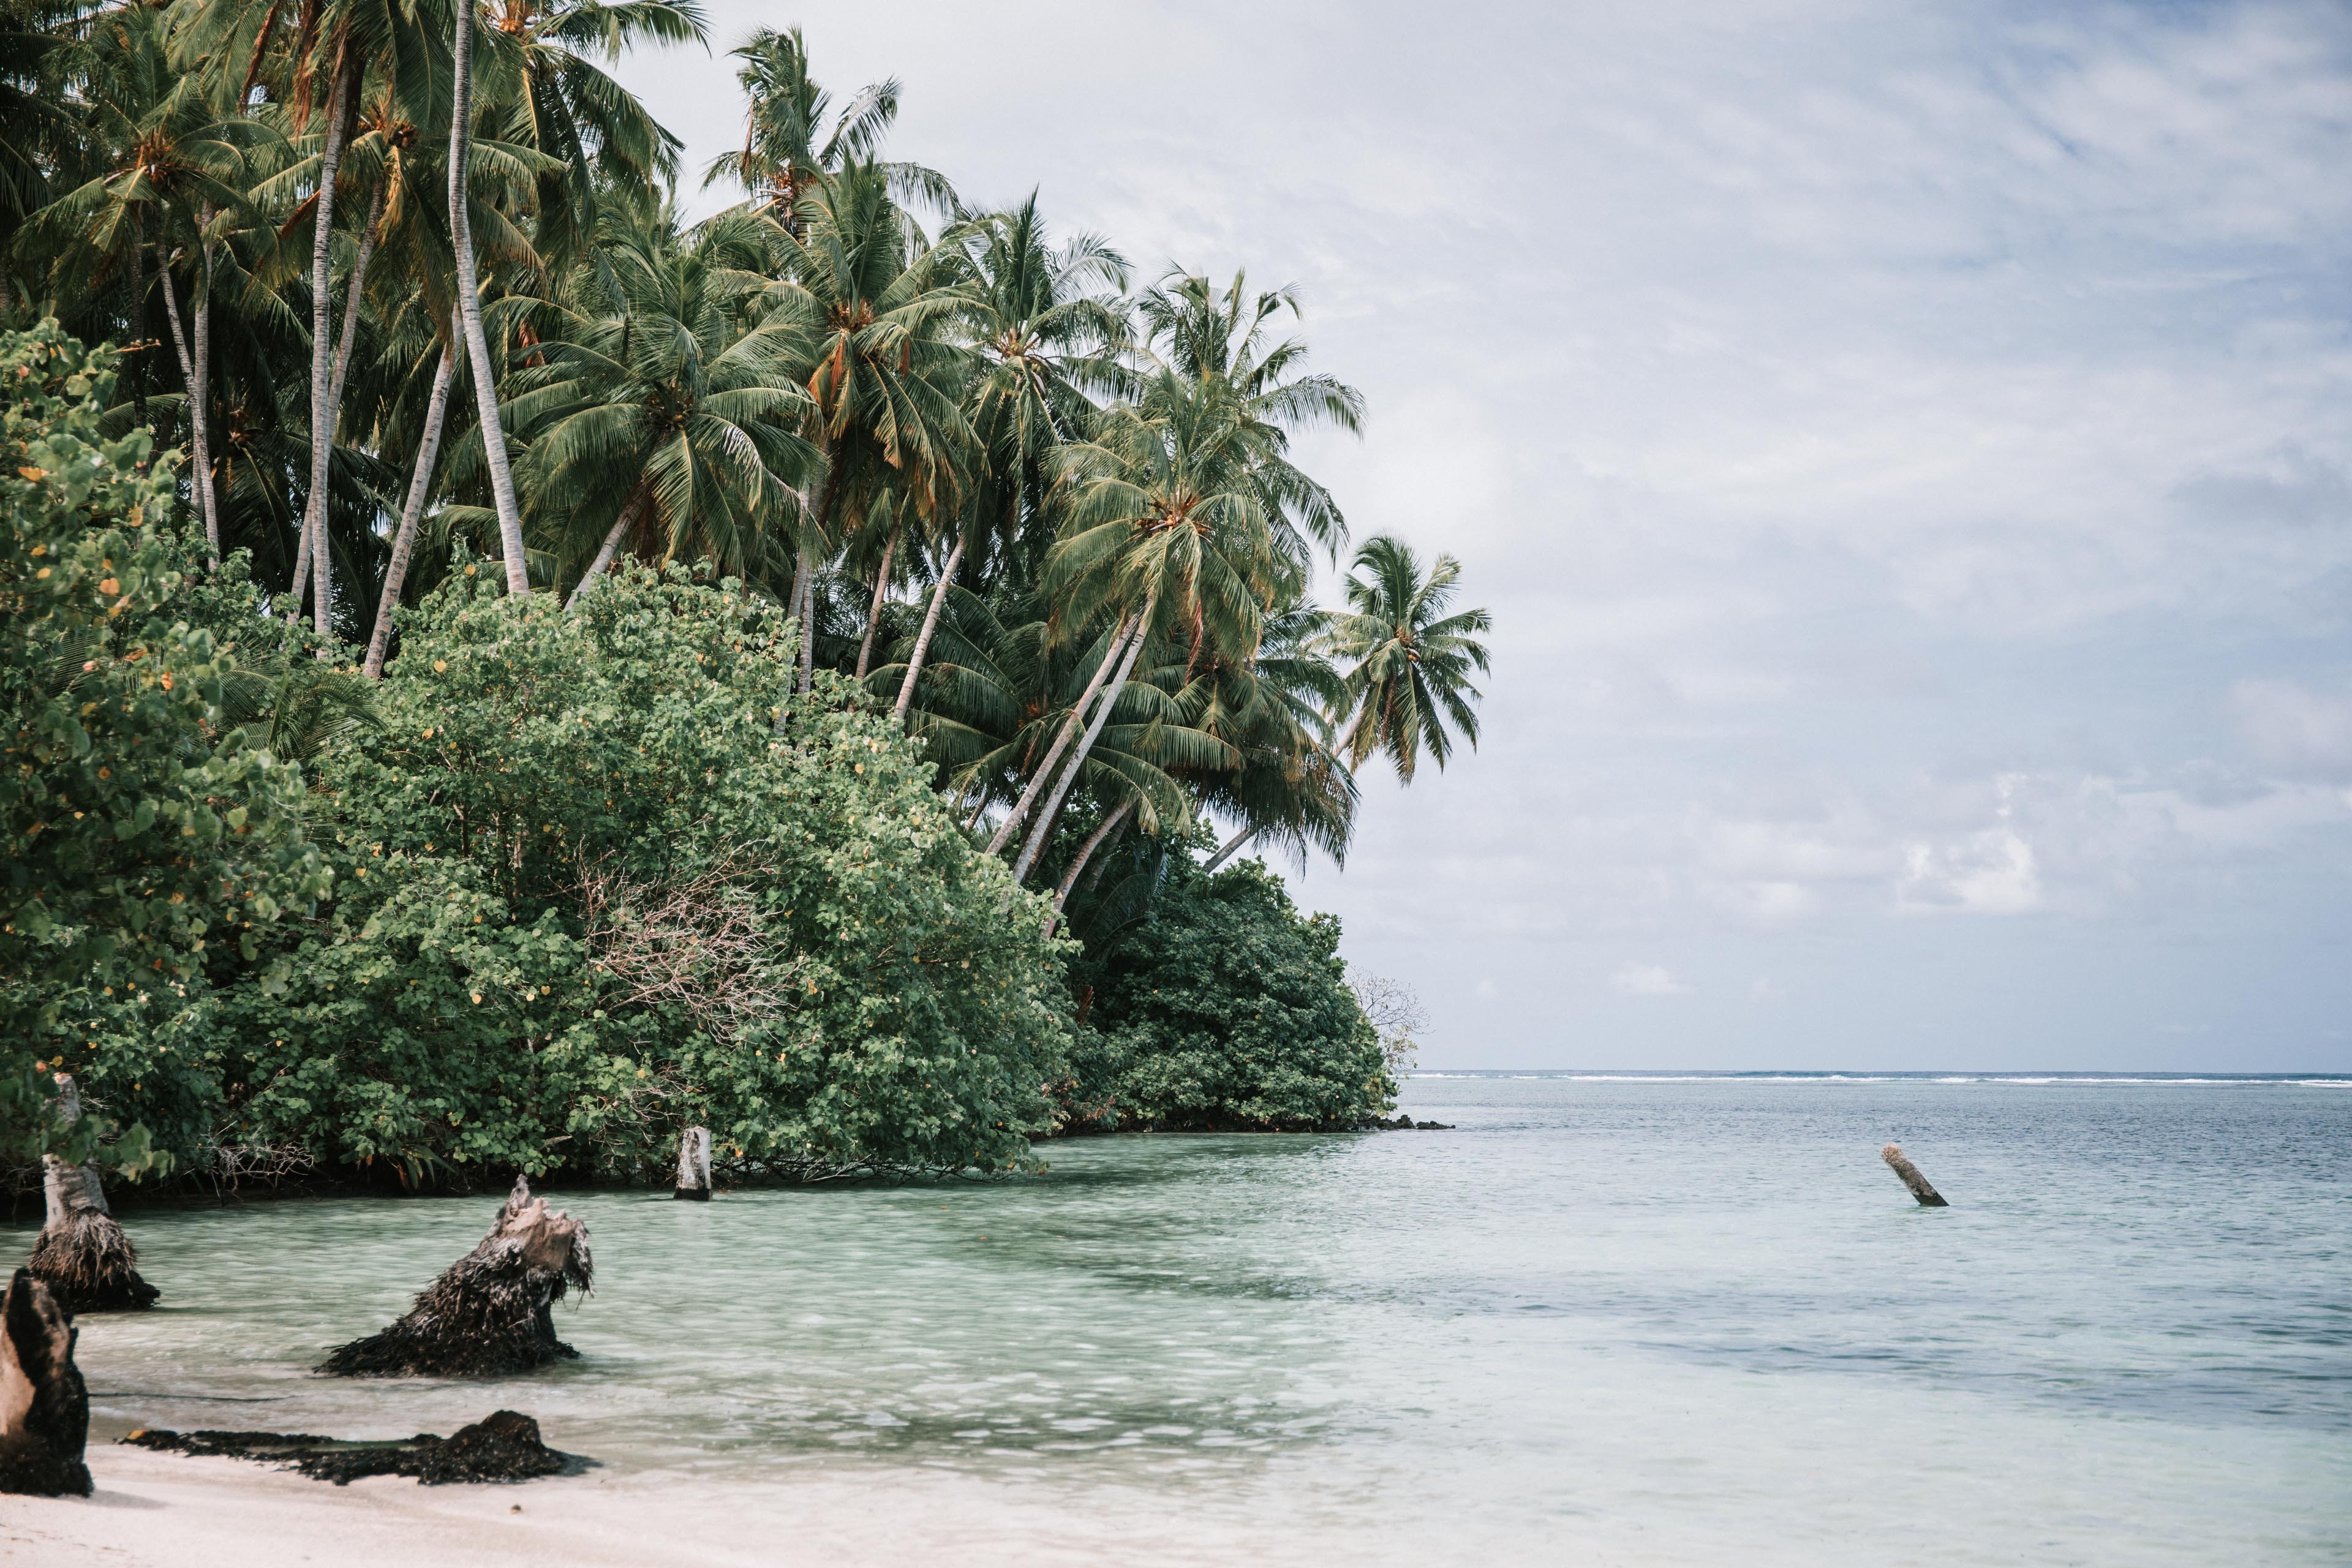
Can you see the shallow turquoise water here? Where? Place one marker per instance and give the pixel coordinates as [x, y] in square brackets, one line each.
[1680, 1320]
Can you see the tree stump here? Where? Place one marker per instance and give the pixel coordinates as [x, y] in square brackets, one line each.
[44, 1407]
[82, 1255]
[694, 1165]
[490, 1313]
[505, 1446]
[1929, 1198]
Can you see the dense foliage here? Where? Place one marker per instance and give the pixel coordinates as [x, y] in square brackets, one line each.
[592, 891]
[142, 827]
[1225, 1010]
[767, 622]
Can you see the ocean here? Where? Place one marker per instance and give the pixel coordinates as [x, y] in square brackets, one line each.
[1607, 1318]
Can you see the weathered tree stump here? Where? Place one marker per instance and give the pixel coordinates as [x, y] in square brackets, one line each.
[44, 1407]
[694, 1165]
[82, 1255]
[490, 1312]
[1928, 1195]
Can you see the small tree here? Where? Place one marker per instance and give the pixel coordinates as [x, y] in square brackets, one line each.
[1396, 1014]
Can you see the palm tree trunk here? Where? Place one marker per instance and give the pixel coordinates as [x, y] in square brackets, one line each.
[805, 569]
[874, 615]
[1070, 774]
[322, 343]
[931, 625]
[806, 611]
[202, 308]
[193, 378]
[351, 305]
[1086, 853]
[633, 511]
[1012, 821]
[469, 307]
[420, 485]
[138, 314]
[1235, 842]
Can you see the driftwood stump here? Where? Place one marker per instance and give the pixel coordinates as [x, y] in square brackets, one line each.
[694, 1165]
[491, 1311]
[504, 1445]
[44, 1408]
[1929, 1198]
[82, 1255]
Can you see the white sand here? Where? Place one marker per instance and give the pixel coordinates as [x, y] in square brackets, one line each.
[173, 1512]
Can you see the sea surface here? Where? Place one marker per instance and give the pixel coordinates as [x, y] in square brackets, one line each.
[1607, 1318]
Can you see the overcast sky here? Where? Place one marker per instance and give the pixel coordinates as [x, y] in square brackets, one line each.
[1908, 452]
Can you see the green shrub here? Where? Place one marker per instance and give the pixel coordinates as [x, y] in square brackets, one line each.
[1223, 1009]
[600, 880]
[145, 832]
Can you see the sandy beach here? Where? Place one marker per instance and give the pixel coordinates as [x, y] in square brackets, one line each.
[173, 1512]
[166, 1511]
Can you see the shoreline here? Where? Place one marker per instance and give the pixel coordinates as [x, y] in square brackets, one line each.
[170, 1510]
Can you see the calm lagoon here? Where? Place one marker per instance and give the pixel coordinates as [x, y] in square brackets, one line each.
[1624, 1318]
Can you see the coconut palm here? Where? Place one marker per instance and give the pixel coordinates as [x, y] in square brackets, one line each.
[652, 411]
[1204, 333]
[40, 129]
[1042, 337]
[793, 140]
[1167, 530]
[555, 98]
[873, 310]
[167, 161]
[1273, 709]
[469, 303]
[1408, 684]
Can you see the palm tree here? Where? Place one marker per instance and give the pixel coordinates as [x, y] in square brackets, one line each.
[873, 310]
[1166, 528]
[793, 142]
[40, 132]
[1408, 689]
[651, 410]
[1042, 337]
[557, 102]
[1273, 709]
[166, 162]
[470, 302]
[1205, 332]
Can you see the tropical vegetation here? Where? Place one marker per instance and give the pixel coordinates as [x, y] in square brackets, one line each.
[499, 672]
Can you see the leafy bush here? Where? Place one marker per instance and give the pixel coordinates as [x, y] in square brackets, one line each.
[1223, 1009]
[145, 832]
[600, 879]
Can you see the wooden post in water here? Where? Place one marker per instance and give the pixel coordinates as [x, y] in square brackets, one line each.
[1929, 1198]
[694, 1165]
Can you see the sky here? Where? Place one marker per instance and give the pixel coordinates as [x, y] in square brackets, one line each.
[1907, 452]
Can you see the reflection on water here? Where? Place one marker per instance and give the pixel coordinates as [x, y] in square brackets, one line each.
[1700, 1316]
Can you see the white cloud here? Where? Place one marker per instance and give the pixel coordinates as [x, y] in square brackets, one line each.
[1648, 980]
[2293, 728]
[1987, 873]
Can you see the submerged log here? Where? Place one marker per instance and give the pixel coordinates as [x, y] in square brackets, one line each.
[504, 1445]
[82, 1255]
[491, 1311]
[1928, 1195]
[44, 1407]
[694, 1164]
